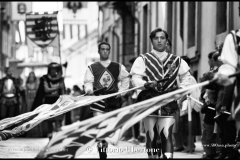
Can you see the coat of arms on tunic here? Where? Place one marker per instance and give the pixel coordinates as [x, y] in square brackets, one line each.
[106, 80]
[171, 67]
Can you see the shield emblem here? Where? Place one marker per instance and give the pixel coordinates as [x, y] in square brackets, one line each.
[106, 79]
[42, 29]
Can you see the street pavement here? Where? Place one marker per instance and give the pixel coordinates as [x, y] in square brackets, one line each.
[30, 147]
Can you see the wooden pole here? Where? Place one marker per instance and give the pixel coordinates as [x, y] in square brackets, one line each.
[190, 140]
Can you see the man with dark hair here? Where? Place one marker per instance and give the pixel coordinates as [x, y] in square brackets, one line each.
[154, 66]
[210, 60]
[104, 43]
[106, 77]
[169, 46]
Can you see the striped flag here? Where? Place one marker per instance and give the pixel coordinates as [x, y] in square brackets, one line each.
[15, 126]
[74, 140]
[42, 31]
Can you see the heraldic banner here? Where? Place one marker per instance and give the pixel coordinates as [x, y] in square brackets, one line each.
[42, 32]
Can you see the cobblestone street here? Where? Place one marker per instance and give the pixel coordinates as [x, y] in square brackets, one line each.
[29, 148]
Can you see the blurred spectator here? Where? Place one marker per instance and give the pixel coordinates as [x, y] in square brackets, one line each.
[31, 90]
[50, 88]
[77, 91]
[209, 98]
[9, 94]
[22, 95]
[181, 134]
[68, 91]
[195, 114]
[230, 97]
[210, 60]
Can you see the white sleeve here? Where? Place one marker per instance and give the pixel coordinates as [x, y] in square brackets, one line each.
[185, 80]
[124, 79]
[184, 74]
[138, 72]
[228, 56]
[88, 81]
[184, 68]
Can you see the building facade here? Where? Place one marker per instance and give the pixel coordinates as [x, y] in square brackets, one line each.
[195, 28]
[6, 34]
[79, 40]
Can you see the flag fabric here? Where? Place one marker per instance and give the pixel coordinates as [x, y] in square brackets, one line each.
[71, 142]
[15, 126]
[42, 31]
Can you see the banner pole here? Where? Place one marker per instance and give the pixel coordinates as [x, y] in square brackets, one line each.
[190, 140]
[59, 44]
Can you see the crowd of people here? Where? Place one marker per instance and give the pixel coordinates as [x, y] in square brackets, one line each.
[159, 71]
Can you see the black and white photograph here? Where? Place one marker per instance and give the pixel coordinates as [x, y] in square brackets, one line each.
[120, 79]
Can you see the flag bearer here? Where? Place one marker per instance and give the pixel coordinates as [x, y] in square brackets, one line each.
[153, 66]
[106, 77]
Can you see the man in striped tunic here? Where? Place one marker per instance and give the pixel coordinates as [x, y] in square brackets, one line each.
[106, 77]
[152, 67]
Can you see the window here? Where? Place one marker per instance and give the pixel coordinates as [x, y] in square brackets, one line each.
[181, 19]
[221, 17]
[191, 24]
[145, 27]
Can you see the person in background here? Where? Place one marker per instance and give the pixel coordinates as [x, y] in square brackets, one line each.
[31, 90]
[188, 142]
[231, 64]
[208, 135]
[68, 91]
[50, 88]
[22, 95]
[9, 95]
[211, 131]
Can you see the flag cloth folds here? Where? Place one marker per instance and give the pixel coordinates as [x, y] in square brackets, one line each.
[42, 32]
[73, 141]
[15, 126]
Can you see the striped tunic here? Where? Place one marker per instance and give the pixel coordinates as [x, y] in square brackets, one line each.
[157, 70]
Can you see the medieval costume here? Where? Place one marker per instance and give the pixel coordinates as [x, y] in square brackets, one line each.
[155, 66]
[230, 57]
[9, 94]
[106, 77]
[50, 88]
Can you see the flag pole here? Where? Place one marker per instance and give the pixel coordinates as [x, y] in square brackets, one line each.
[190, 138]
[59, 44]
[70, 103]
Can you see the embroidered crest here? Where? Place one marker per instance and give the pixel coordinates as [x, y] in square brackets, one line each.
[171, 67]
[106, 79]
